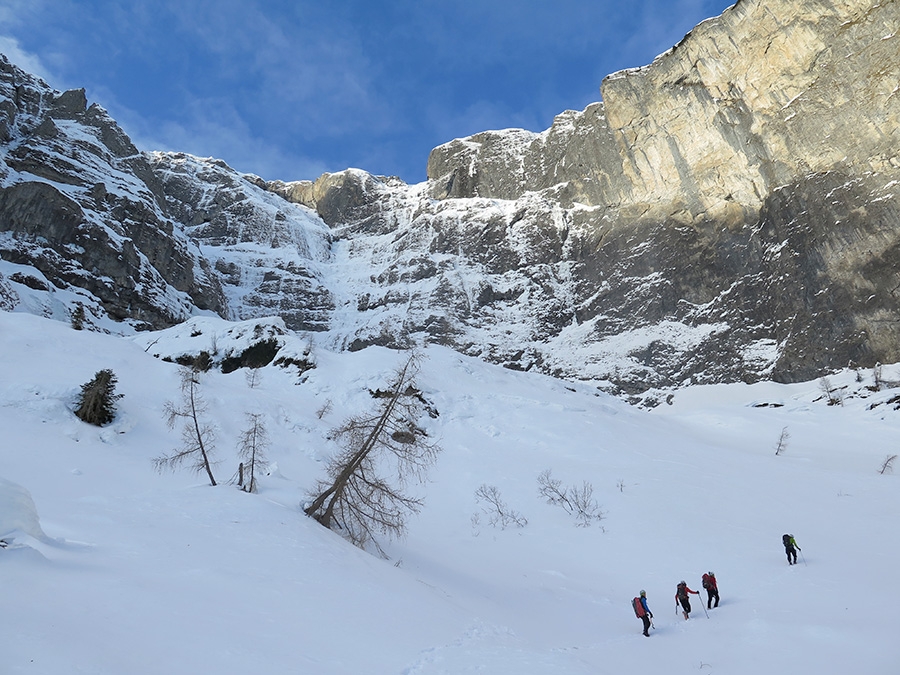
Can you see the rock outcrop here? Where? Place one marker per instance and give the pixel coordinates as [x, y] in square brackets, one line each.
[744, 104]
[268, 254]
[81, 204]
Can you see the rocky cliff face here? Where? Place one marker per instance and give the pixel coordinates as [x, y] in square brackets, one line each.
[728, 212]
[82, 206]
[743, 105]
[269, 255]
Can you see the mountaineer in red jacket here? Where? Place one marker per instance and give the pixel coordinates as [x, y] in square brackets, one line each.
[712, 589]
[681, 596]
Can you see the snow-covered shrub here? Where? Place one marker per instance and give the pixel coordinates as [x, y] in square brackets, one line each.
[577, 501]
[496, 510]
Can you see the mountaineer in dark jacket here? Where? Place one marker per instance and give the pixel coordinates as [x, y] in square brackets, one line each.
[681, 596]
[790, 547]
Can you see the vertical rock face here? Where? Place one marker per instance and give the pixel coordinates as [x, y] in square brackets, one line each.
[747, 102]
[729, 211]
[79, 203]
[268, 253]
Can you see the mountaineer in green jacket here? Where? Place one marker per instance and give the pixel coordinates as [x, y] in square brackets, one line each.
[790, 548]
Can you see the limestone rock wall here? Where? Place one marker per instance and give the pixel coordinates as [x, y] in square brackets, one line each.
[268, 254]
[80, 203]
[729, 211]
[746, 102]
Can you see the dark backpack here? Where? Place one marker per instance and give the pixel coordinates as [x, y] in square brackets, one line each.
[681, 592]
[786, 540]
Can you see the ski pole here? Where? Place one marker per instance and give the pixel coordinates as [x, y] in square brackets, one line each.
[702, 604]
[801, 556]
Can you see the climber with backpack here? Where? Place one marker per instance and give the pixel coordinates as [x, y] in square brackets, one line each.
[642, 611]
[681, 596]
[712, 589]
[790, 548]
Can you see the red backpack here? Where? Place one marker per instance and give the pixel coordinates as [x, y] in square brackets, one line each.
[638, 607]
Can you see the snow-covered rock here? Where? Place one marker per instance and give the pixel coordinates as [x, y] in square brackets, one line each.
[81, 205]
[18, 514]
[726, 213]
[271, 256]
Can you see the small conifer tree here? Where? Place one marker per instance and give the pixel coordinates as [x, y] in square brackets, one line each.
[97, 400]
[781, 446]
[78, 317]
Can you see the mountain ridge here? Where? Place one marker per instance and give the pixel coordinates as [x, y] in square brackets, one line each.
[725, 213]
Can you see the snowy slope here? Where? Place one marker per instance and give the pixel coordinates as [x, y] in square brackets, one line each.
[148, 573]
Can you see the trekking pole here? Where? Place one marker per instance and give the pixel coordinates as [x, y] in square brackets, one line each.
[703, 604]
[802, 558]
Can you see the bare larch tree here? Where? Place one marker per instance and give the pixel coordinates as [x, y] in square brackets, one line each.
[356, 499]
[252, 446]
[197, 436]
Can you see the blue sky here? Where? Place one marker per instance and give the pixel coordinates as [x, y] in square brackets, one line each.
[289, 90]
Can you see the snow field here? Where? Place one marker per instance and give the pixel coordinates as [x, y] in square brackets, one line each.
[147, 573]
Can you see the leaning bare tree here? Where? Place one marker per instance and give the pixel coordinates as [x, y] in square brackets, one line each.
[887, 466]
[356, 498]
[197, 436]
[252, 446]
[782, 443]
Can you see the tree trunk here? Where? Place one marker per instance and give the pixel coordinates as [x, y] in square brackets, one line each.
[335, 491]
[197, 431]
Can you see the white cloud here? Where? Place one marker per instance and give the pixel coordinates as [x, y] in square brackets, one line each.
[237, 146]
[307, 69]
[213, 128]
[25, 60]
